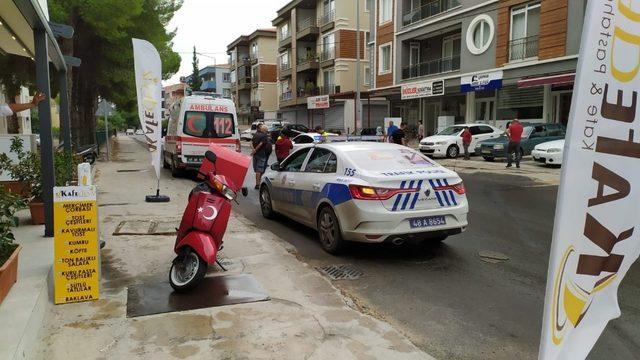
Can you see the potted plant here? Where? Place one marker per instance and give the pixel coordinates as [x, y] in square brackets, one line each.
[15, 185]
[9, 250]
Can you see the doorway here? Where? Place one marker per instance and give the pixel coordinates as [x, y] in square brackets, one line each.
[561, 107]
[431, 113]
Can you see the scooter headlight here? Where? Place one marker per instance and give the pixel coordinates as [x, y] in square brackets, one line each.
[225, 190]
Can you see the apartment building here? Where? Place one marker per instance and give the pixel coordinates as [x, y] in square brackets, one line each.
[252, 61]
[172, 94]
[317, 56]
[215, 79]
[459, 61]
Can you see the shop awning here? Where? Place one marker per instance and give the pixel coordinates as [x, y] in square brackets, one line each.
[561, 79]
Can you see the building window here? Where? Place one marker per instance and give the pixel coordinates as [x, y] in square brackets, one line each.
[386, 11]
[480, 34]
[385, 59]
[255, 73]
[329, 82]
[232, 76]
[525, 27]
[368, 5]
[226, 77]
[284, 61]
[367, 75]
[254, 50]
[284, 31]
[226, 93]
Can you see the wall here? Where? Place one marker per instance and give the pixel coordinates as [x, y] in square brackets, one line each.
[346, 75]
[575, 20]
[473, 63]
[268, 96]
[267, 50]
[346, 46]
[346, 14]
[384, 34]
[268, 73]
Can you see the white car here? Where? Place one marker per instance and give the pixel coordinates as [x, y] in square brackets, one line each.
[549, 152]
[247, 135]
[130, 132]
[366, 192]
[308, 139]
[448, 142]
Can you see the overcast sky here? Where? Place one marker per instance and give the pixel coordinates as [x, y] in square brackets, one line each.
[211, 25]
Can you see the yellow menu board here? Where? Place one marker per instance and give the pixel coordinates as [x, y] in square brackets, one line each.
[76, 264]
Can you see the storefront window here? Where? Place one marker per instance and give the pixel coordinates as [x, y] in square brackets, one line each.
[520, 103]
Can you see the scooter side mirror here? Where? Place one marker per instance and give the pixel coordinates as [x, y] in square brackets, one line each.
[211, 156]
[275, 166]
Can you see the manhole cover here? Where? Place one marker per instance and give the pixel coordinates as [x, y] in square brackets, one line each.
[131, 170]
[341, 272]
[146, 227]
[492, 257]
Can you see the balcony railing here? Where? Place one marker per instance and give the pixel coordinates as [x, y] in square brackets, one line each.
[428, 10]
[328, 89]
[309, 58]
[327, 18]
[285, 66]
[306, 24]
[523, 48]
[284, 36]
[286, 96]
[309, 91]
[328, 54]
[432, 67]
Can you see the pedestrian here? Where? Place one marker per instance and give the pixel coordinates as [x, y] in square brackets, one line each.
[420, 130]
[390, 130]
[283, 146]
[261, 145]
[466, 141]
[399, 136]
[10, 109]
[514, 133]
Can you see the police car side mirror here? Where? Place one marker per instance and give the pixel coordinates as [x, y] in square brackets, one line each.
[275, 166]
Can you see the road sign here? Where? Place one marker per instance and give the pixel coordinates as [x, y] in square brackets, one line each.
[76, 260]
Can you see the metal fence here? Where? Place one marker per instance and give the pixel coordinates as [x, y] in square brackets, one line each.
[432, 67]
[428, 10]
[523, 48]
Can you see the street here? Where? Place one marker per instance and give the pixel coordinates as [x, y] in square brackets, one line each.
[450, 302]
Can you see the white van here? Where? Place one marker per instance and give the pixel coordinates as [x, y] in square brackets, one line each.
[195, 122]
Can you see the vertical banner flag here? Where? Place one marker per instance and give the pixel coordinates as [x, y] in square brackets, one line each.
[594, 238]
[148, 67]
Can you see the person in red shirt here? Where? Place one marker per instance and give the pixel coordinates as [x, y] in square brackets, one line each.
[466, 141]
[283, 146]
[514, 133]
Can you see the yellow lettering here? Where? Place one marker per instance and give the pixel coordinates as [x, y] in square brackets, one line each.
[624, 76]
[628, 12]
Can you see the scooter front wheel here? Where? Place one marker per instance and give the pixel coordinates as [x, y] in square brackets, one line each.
[187, 271]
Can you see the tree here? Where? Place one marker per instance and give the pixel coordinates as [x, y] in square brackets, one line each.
[195, 82]
[103, 32]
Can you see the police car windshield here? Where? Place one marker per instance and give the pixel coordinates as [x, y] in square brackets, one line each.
[452, 130]
[208, 124]
[385, 159]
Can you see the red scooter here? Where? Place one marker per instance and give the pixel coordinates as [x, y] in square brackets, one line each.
[205, 219]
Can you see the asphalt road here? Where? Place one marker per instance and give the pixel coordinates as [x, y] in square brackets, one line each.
[450, 302]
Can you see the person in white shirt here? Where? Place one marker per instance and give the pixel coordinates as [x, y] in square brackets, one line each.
[10, 109]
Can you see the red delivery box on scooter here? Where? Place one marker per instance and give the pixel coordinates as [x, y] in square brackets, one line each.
[232, 164]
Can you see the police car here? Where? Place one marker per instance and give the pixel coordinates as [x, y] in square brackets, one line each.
[366, 192]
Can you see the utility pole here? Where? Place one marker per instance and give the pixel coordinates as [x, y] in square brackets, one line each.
[357, 102]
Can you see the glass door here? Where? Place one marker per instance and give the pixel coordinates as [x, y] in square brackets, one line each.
[485, 109]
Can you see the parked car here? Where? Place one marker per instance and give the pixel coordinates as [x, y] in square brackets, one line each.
[292, 130]
[130, 132]
[366, 192]
[246, 135]
[532, 135]
[549, 153]
[448, 142]
[308, 139]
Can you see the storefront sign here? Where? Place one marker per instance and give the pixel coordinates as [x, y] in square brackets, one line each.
[596, 235]
[422, 89]
[76, 263]
[479, 82]
[318, 102]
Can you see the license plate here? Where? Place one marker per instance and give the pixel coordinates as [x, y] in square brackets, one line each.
[427, 221]
[485, 151]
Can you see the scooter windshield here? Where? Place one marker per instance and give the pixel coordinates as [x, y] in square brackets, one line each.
[233, 165]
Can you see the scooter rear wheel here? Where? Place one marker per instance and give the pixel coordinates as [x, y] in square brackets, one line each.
[187, 271]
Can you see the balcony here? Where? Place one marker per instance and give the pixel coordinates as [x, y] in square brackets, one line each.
[208, 85]
[308, 29]
[428, 10]
[523, 48]
[327, 21]
[255, 80]
[244, 110]
[254, 59]
[309, 63]
[285, 41]
[327, 57]
[329, 89]
[286, 99]
[285, 70]
[244, 83]
[432, 67]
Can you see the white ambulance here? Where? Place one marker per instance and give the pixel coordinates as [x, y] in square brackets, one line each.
[195, 122]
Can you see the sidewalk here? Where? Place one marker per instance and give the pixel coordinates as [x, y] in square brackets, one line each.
[306, 318]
